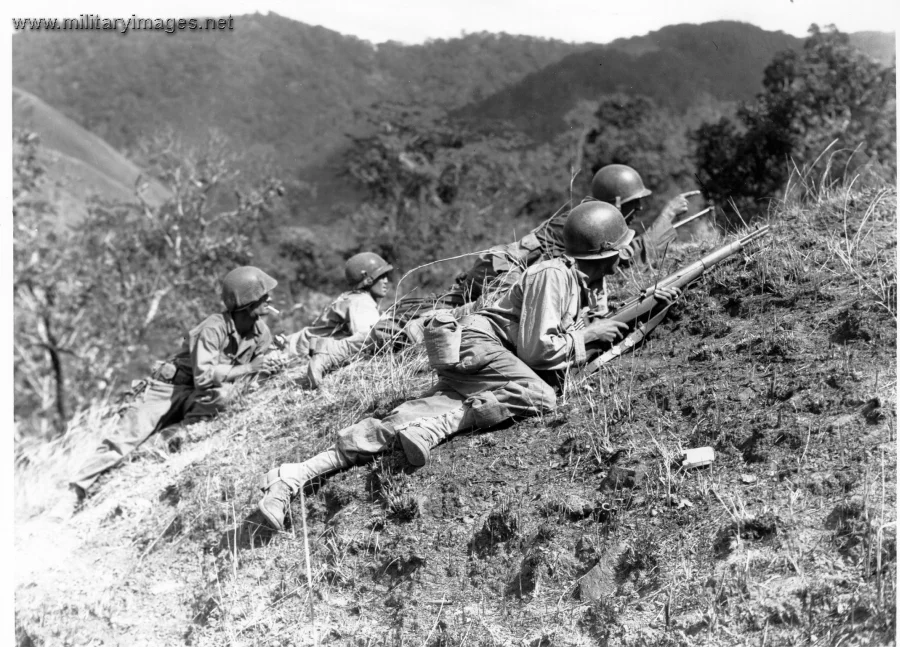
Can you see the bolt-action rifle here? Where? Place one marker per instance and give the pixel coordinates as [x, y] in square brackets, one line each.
[645, 312]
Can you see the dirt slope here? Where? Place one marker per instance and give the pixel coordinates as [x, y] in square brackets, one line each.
[574, 529]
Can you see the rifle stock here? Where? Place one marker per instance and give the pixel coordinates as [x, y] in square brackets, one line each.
[637, 307]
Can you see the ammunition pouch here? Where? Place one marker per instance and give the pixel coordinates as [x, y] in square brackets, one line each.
[442, 334]
[171, 373]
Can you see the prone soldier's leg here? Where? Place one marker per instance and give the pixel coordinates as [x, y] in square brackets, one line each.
[328, 354]
[493, 384]
[354, 444]
[207, 403]
[489, 386]
[159, 405]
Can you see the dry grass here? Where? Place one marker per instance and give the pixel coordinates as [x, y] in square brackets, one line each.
[782, 360]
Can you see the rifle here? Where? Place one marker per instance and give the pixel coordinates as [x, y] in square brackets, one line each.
[637, 307]
[693, 217]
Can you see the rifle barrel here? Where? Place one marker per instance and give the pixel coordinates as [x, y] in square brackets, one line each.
[639, 306]
[694, 217]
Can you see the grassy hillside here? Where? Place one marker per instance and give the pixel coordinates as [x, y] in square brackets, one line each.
[79, 163]
[783, 360]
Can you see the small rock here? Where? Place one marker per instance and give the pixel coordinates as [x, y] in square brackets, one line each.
[578, 506]
[620, 478]
[599, 583]
[748, 479]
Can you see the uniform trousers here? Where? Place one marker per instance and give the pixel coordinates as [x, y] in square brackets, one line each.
[159, 405]
[490, 384]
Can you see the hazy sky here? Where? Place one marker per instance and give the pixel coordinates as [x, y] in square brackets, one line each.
[572, 20]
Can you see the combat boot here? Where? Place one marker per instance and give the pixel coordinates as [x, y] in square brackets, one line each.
[417, 443]
[275, 504]
[328, 355]
[420, 437]
[282, 484]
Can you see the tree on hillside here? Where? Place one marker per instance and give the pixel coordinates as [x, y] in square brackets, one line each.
[634, 130]
[827, 91]
[126, 283]
[436, 190]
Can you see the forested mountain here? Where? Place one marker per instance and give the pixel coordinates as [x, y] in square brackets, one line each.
[273, 85]
[288, 92]
[675, 66]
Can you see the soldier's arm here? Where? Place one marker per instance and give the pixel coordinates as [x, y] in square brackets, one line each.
[544, 342]
[649, 245]
[205, 357]
[209, 369]
[361, 314]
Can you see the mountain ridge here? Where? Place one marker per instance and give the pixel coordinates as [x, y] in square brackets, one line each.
[288, 94]
[254, 82]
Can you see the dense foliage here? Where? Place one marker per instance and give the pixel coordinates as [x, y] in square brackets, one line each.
[829, 100]
[91, 301]
[435, 190]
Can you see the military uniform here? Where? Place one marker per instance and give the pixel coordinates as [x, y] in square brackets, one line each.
[649, 244]
[190, 386]
[491, 276]
[351, 315]
[499, 268]
[535, 326]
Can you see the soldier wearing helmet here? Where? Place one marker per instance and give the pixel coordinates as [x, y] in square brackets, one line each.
[497, 269]
[348, 318]
[622, 187]
[539, 325]
[198, 381]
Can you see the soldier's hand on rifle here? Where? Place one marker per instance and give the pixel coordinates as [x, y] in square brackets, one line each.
[608, 330]
[666, 295]
[677, 205]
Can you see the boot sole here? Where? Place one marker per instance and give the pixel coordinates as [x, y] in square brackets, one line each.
[272, 521]
[416, 454]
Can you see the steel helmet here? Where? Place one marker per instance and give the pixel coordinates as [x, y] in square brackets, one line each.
[618, 184]
[364, 269]
[594, 230]
[243, 286]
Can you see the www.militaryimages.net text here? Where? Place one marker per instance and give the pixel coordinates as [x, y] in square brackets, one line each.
[96, 22]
